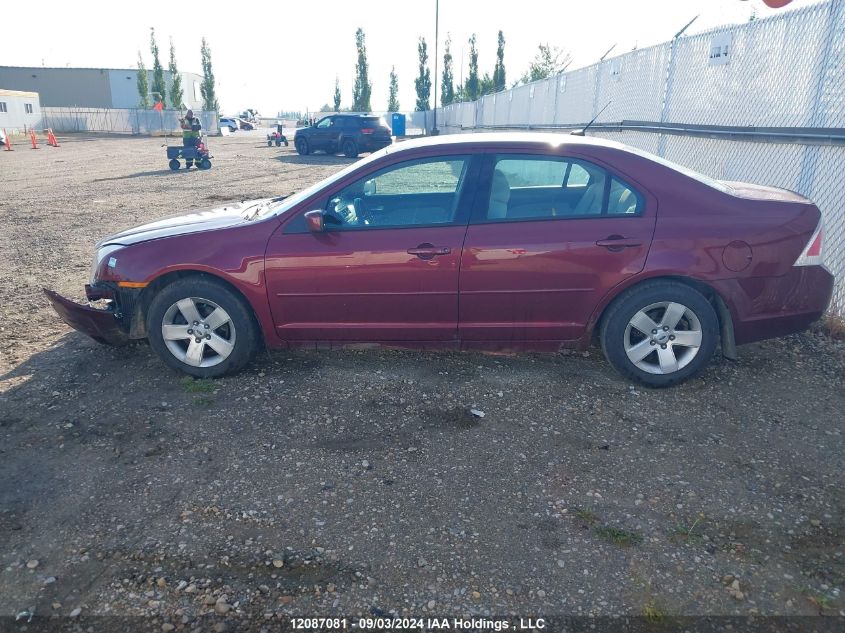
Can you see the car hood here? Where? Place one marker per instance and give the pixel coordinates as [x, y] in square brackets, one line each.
[196, 222]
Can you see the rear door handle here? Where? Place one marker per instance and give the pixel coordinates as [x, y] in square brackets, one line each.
[618, 242]
[429, 251]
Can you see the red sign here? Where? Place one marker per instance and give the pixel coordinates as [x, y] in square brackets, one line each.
[158, 106]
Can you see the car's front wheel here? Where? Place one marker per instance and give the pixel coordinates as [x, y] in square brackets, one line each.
[660, 333]
[302, 147]
[201, 327]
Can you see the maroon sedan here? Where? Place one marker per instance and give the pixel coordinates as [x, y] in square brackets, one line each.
[478, 242]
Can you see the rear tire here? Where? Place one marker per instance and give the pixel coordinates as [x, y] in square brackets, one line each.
[659, 333]
[204, 164]
[302, 147]
[189, 304]
[174, 164]
[350, 149]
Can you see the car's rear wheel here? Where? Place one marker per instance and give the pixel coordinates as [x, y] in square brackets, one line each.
[201, 327]
[660, 333]
[350, 149]
[302, 147]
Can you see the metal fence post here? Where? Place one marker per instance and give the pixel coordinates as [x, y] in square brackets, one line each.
[667, 94]
[817, 115]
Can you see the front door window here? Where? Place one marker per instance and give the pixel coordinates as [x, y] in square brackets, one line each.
[418, 193]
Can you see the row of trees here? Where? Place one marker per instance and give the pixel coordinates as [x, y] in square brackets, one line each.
[159, 89]
[548, 61]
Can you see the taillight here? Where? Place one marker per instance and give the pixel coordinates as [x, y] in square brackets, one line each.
[367, 130]
[812, 253]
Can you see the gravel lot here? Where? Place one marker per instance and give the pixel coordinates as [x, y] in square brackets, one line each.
[357, 482]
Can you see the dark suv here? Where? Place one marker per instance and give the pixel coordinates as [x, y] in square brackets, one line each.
[347, 133]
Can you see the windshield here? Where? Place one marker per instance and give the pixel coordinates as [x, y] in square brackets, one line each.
[686, 171]
[279, 206]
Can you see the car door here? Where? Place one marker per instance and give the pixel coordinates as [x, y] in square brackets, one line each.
[385, 269]
[553, 236]
[322, 133]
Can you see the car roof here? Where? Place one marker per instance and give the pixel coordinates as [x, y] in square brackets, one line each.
[554, 139]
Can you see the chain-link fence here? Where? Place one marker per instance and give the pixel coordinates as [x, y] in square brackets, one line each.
[761, 102]
[121, 121]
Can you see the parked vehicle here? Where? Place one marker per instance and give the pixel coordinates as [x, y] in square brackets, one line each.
[478, 242]
[232, 124]
[245, 125]
[347, 133]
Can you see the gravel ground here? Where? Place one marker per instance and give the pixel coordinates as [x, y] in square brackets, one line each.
[358, 482]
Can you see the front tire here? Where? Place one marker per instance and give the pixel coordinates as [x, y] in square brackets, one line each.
[302, 147]
[174, 164]
[350, 149]
[201, 327]
[660, 333]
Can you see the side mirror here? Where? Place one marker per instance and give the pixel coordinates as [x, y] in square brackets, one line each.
[370, 187]
[314, 219]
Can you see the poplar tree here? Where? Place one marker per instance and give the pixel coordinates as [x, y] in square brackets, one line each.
[423, 81]
[447, 83]
[393, 96]
[362, 88]
[143, 86]
[209, 98]
[159, 85]
[176, 92]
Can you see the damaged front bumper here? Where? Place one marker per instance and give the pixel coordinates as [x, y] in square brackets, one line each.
[108, 326]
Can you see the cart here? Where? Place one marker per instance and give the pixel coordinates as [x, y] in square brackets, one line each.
[198, 155]
[277, 137]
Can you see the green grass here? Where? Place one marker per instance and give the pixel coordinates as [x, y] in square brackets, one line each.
[651, 611]
[198, 385]
[821, 600]
[618, 536]
[688, 533]
[587, 516]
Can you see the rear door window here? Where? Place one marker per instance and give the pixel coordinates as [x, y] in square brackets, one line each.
[537, 187]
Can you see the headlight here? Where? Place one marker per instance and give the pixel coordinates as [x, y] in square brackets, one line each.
[101, 254]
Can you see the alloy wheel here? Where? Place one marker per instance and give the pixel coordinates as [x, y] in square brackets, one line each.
[198, 332]
[663, 337]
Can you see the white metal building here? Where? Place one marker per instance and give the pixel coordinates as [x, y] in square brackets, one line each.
[19, 111]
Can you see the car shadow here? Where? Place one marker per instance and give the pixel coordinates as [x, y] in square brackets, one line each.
[314, 159]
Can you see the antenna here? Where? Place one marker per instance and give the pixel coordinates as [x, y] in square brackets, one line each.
[587, 127]
[606, 53]
[686, 26]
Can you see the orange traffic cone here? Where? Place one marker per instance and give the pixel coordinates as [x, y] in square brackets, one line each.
[51, 138]
[32, 138]
[8, 142]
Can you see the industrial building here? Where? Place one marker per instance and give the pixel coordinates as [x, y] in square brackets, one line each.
[19, 110]
[91, 87]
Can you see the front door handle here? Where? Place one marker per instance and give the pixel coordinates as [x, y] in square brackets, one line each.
[429, 251]
[618, 242]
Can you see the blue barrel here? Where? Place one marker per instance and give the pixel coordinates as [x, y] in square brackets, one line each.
[397, 122]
